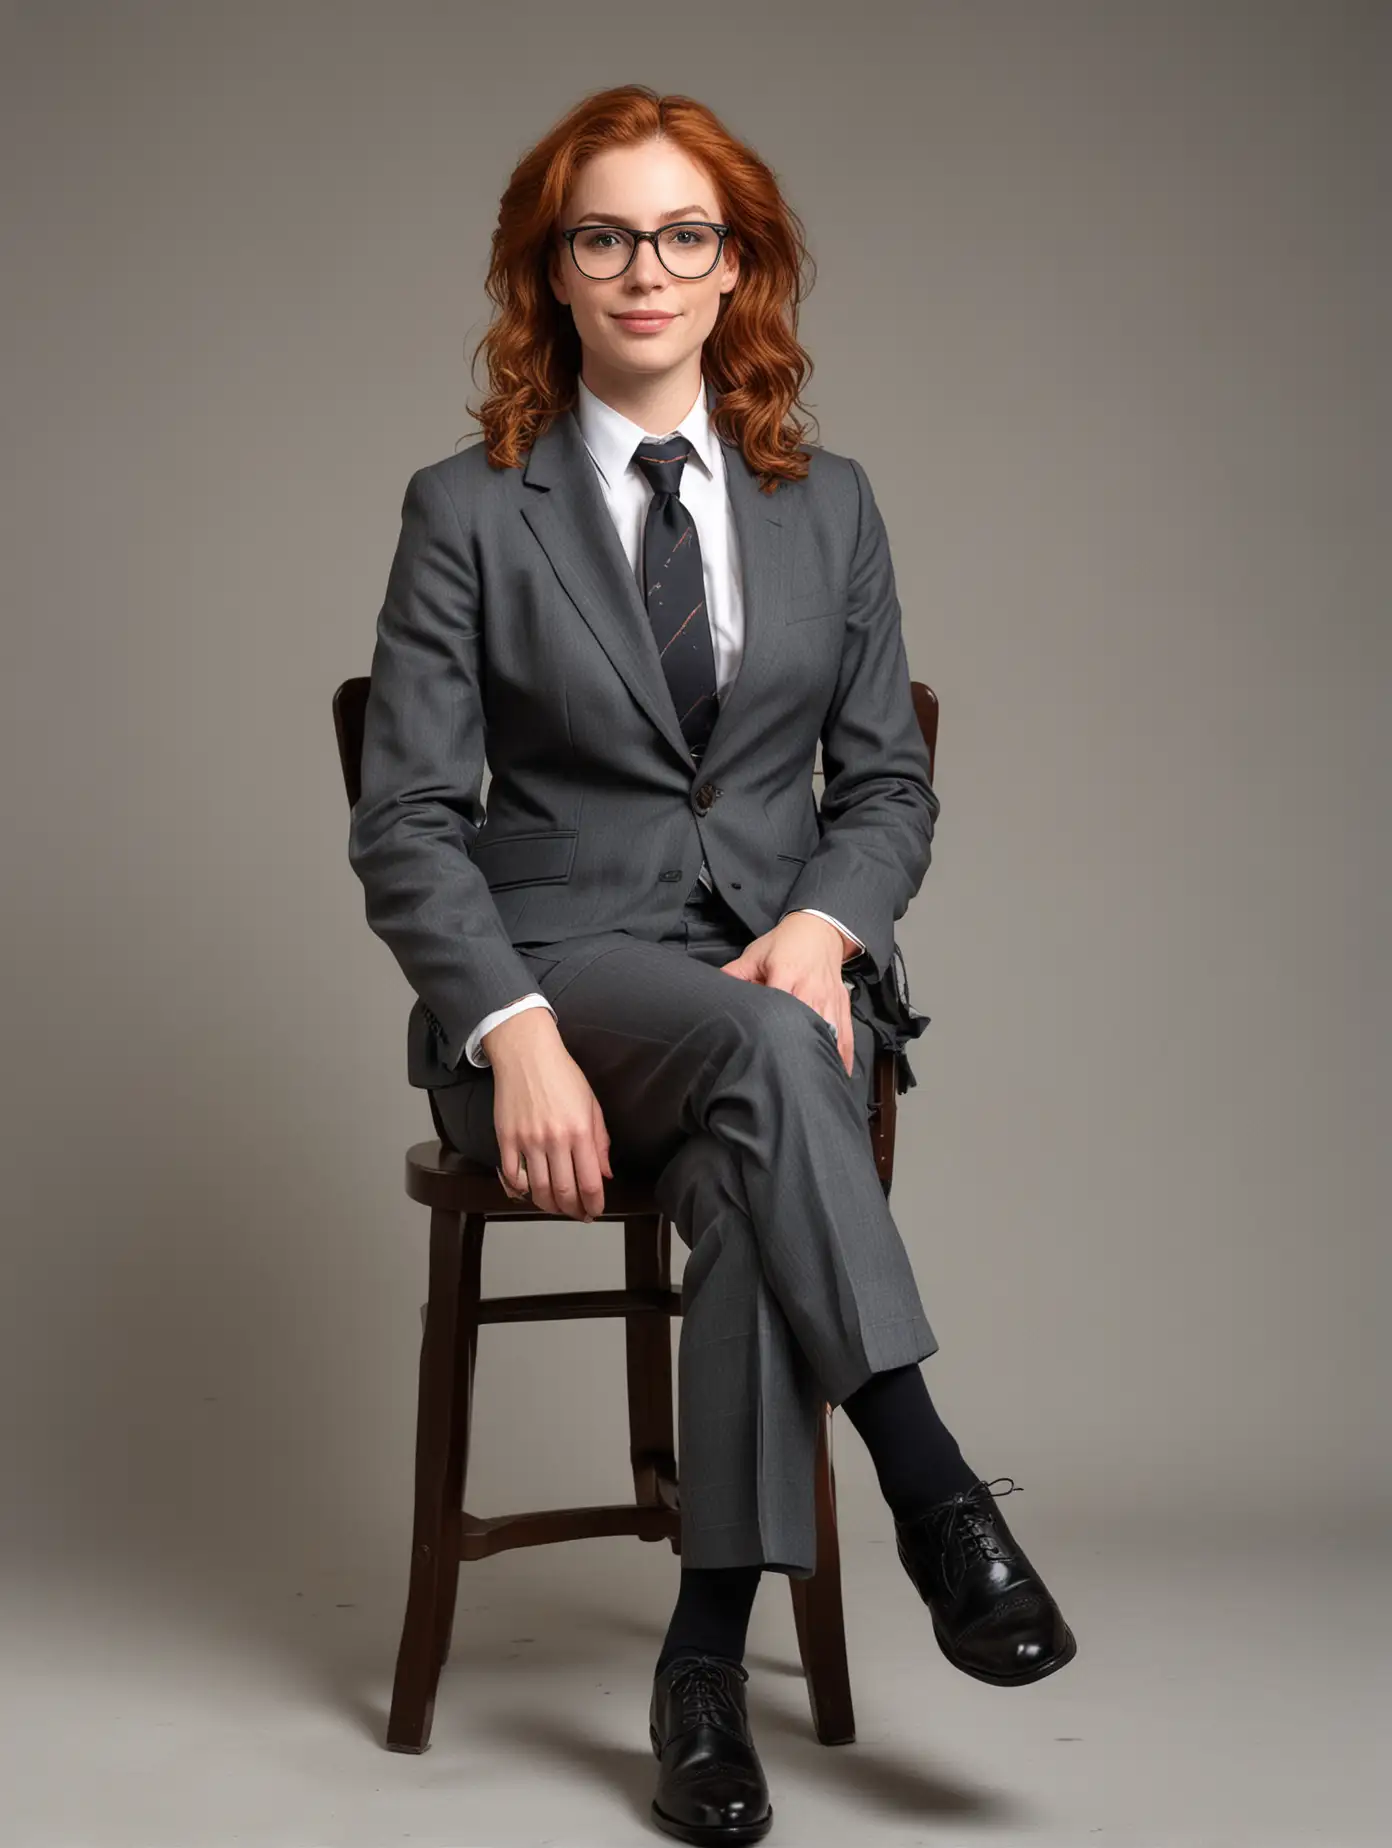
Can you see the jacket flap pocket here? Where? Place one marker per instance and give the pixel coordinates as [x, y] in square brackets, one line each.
[809, 606]
[542, 856]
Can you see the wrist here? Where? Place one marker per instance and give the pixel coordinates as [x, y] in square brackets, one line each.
[518, 1036]
[847, 947]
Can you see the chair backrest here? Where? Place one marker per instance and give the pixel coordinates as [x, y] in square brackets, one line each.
[350, 708]
[349, 712]
[925, 702]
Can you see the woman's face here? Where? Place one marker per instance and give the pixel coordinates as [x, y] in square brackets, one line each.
[641, 188]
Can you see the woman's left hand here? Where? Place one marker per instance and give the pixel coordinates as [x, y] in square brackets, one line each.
[803, 954]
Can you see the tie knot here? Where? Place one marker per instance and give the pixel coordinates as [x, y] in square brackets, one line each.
[662, 462]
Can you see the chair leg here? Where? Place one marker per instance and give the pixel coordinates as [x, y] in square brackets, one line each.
[651, 1442]
[819, 1614]
[461, 1425]
[449, 1346]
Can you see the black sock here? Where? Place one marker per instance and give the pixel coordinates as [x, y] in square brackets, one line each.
[712, 1612]
[915, 1455]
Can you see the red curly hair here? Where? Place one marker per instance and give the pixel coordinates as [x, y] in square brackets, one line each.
[751, 356]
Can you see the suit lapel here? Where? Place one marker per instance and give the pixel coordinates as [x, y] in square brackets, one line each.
[765, 528]
[573, 527]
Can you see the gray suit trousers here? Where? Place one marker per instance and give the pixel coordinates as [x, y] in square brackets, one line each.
[797, 1287]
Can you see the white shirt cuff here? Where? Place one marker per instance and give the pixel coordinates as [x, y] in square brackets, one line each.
[473, 1050]
[831, 920]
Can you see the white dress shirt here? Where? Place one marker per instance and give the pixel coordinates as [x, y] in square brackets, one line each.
[611, 438]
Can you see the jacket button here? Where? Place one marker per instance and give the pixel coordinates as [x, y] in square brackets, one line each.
[674, 873]
[705, 795]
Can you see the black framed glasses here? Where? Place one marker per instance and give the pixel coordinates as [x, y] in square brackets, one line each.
[687, 250]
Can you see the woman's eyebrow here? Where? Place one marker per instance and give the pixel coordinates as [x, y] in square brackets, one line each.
[610, 218]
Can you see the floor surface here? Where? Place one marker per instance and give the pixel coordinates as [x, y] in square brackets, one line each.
[1224, 1693]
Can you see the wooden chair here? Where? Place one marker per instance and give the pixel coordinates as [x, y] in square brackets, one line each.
[463, 1196]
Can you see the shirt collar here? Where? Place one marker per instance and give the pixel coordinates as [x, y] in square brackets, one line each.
[611, 438]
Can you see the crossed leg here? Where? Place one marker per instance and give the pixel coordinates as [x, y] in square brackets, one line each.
[797, 1287]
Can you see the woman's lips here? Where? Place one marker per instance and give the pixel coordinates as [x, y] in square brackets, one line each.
[644, 323]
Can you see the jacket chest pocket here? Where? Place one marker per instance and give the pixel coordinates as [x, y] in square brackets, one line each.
[810, 603]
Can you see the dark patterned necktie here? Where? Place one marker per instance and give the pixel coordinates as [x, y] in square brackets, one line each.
[674, 589]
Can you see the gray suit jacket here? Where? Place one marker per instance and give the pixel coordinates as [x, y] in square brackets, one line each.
[512, 622]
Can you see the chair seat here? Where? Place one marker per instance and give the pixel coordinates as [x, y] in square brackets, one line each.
[442, 1178]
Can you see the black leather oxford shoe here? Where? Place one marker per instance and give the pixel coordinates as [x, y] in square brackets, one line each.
[711, 1786]
[992, 1613]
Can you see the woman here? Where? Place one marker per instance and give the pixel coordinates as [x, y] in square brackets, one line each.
[651, 600]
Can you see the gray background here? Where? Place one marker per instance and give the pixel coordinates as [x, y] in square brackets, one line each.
[1102, 308]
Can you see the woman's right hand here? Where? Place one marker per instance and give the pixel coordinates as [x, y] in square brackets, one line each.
[551, 1134]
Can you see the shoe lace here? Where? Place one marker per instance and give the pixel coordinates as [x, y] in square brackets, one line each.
[701, 1687]
[967, 1524]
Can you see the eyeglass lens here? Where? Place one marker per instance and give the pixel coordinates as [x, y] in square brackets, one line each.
[687, 250]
